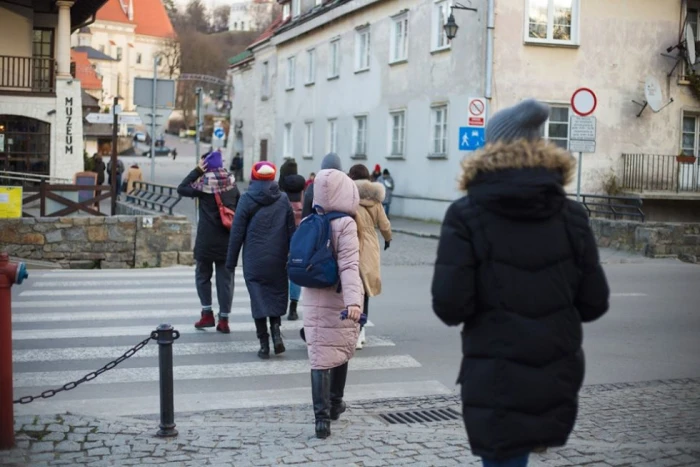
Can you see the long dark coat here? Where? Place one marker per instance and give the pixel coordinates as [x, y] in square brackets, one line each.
[212, 236]
[518, 266]
[263, 227]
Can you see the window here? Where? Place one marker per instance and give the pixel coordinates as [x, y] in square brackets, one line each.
[138, 58]
[291, 72]
[27, 145]
[235, 26]
[309, 140]
[551, 21]
[310, 66]
[439, 121]
[318, 2]
[119, 53]
[692, 17]
[242, 25]
[102, 48]
[296, 8]
[690, 139]
[399, 39]
[42, 63]
[362, 50]
[398, 132]
[556, 129]
[286, 11]
[333, 135]
[334, 59]
[360, 143]
[441, 10]
[288, 140]
[265, 79]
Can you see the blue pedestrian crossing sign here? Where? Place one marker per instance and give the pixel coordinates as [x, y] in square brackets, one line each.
[471, 138]
[219, 132]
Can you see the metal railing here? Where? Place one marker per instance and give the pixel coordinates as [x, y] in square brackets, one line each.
[154, 196]
[657, 172]
[27, 74]
[612, 207]
[28, 179]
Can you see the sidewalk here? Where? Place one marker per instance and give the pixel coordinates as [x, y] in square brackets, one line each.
[644, 424]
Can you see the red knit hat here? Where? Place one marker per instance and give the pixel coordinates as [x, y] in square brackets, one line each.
[377, 168]
[264, 170]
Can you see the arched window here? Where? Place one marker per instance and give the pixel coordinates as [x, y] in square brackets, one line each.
[25, 145]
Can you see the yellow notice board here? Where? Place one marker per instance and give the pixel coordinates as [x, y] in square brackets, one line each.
[10, 202]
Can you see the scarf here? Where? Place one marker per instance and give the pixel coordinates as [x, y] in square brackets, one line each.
[216, 181]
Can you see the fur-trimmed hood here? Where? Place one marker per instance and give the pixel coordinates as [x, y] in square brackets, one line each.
[371, 193]
[518, 155]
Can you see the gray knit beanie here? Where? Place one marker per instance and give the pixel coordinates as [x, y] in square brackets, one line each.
[331, 161]
[522, 121]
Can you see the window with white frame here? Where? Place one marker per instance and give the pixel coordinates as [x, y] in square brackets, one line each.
[286, 11]
[310, 66]
[265, 79]
[318, 2]
[291, 72]
[552, 21]
[398, 132]
[296, 8]
[693, 19]
[690, 137]
[439, 133]
[441, 11]
[362, 48]
[360, 137]
[399, 39]
[288, 141]
[334, 59]
[309, 139]
[333, 135]
[556, 128]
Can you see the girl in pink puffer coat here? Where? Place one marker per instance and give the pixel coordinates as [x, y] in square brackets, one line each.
[330, 340]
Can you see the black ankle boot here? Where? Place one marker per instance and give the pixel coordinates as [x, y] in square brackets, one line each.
[277, 338]
[321, 395]
[339, 375]
[264, 351]
[293, 316]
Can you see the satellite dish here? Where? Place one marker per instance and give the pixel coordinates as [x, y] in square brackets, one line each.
[690, 44]
[652, 93]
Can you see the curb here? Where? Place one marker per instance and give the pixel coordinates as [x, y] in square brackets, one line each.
[415, 234]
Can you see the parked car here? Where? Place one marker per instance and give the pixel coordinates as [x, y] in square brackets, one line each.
[160, 151]
[140, 137]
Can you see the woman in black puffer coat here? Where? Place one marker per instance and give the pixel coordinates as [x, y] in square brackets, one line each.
[518, 266]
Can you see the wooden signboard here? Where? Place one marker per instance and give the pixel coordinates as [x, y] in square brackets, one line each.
[87, 179]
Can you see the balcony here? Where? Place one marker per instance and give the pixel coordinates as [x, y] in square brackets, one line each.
[663, 175]
[22, 75]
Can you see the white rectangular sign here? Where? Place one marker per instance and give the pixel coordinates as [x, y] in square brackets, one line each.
[577, 145]
[477, 112]
[109, 119]
[582, 128]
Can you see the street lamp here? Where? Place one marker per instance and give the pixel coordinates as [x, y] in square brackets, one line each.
[450, 26]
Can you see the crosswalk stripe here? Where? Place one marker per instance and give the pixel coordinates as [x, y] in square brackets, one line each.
[121, 283]
[121, 273]
[103, 292]
[150, 404]
[109, 315]
[179, 349]
[139, 331]
[220, 371]
[139, 301]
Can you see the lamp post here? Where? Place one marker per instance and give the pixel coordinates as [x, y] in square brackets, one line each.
[450, 26]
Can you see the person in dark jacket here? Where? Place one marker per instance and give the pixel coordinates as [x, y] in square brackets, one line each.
[331, 161]
[211, 246]
[263, 227]
[292, 184]
[518, 267]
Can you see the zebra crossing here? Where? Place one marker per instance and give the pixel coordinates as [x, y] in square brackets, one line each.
[67, 323]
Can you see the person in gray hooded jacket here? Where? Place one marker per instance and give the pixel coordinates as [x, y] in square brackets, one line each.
[331, 161]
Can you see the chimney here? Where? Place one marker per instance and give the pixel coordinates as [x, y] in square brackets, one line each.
[131, 10]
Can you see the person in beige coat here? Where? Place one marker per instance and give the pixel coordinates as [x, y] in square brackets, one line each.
[134, 174]
[372, 215]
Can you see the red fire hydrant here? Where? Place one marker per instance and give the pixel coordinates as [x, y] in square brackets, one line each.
[10, 273]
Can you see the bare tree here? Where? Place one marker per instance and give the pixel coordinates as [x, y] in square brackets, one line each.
[196, 16]
[171, 57]
[263, 14]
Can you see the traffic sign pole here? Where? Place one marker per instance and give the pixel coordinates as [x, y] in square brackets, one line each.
[153, 121]
[113, 169]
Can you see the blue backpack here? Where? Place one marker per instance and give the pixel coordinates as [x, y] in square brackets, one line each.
[312, 261]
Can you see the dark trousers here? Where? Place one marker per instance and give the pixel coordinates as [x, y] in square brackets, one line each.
[224, 285]
[366, 307]
[261, 326]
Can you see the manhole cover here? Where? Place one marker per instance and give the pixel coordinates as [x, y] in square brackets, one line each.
[421, 416]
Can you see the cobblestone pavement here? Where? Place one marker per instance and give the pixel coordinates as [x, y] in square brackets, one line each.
[638, 424]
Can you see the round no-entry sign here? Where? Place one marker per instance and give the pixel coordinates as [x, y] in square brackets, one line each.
[584, 102]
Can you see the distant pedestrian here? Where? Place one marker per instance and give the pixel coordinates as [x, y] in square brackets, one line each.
[292, 184]
[376, 174]
[237, 166]
[330, 340]
[120, 171]
[518, 266]
[134, 174]
[331, 161]
[310, 180]
[371, 215]
[212, 185]
[388, 181]
[174, 153]
[263, 227]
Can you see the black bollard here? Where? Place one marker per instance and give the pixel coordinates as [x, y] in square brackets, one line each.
[166, 335]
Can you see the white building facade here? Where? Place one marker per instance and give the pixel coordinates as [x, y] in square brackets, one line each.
[246, 15]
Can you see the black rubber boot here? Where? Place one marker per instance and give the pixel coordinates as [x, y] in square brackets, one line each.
[293, 316]
[321, 395]
[277, 338]
[264, 351]
[339, 375]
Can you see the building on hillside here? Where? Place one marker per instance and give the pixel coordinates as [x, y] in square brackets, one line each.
[105, 67]
[548, 49]
[83, 71]
[134, 33]
[249, 15]
[40, 102]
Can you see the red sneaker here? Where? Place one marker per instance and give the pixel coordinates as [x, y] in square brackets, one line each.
[223, 326]
[207, 321]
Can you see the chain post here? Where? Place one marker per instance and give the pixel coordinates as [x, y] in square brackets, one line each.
[165, 334]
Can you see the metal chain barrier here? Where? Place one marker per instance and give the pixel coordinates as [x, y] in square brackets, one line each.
[90, 376]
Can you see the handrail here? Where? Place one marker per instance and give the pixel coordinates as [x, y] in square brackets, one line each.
[618, 207]
[35, 178]
[154, 195]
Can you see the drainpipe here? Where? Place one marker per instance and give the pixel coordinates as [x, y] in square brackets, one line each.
[490, 26]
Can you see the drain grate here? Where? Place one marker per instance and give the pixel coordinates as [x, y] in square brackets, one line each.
[421, 416]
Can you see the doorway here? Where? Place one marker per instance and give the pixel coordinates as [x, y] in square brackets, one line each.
[263, 149]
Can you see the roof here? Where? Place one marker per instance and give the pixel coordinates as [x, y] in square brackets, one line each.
[268, 32]
[93, 54]
[82, 11]
[89, 102]
[240, 58]
[326, 6]
[150, 17]
[84, 72]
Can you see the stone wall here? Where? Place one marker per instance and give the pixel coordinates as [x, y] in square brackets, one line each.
[652, 239]
[99, 242]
